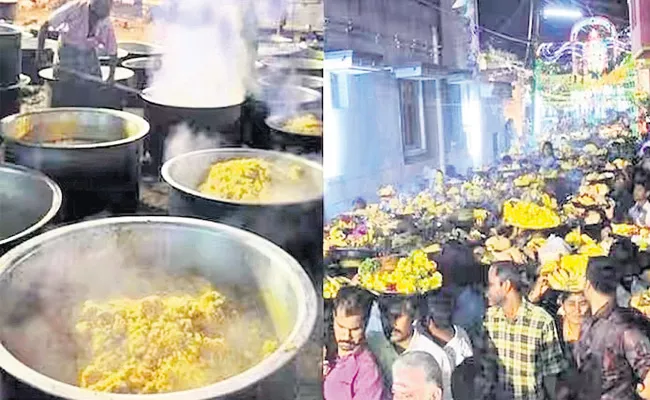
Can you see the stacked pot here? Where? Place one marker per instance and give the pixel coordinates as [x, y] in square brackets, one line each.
[10, 69]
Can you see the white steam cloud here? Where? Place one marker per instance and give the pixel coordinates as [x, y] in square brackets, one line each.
[209, 50]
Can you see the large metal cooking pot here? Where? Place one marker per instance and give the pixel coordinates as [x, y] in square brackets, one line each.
[104, 58]
[28, 201]
[9, 55]
[140, 49]
[307, 81]
[277, 99]
[294, 142]
[275, 48]
[8, 10]
[221, 124]
[10, 97]
[142, 67]
[308, 66]
[29, 44]
[98, 163]
[282, 96]
[296, 226]
[91, 258]
[103, 96]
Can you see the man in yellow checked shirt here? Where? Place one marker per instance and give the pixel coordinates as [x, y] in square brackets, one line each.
[522, 357]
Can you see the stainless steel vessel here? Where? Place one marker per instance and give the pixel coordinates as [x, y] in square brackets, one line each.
[294, 225]
[10, 65]
[28, 201]
[101, 95]
[38, 278]
[294, 142]
[93, 154]
[220, 123]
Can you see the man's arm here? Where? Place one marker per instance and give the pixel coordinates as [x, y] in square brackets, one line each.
[368, 384]
[486, 355]
[107, 38]
[552, 360]
[42, 35]
[637, 354]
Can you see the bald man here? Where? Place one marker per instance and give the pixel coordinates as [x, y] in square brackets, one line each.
[417, 376]
[84, 28]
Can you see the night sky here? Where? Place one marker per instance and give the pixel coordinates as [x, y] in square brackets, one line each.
[511, 17]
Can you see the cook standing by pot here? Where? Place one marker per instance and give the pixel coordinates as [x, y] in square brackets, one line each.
[84, 27]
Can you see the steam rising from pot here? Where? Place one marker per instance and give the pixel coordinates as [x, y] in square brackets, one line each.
[209, 50]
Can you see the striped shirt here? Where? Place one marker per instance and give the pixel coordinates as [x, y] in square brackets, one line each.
[519, 353]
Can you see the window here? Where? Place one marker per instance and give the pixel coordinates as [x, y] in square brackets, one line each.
[412, 118]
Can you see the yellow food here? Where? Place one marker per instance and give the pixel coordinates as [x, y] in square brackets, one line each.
[250, 179]
[480, 215]
[307, 124]
[331, 286]
[164, 343]
[625, 230]
[568, 274]
[528, 215]
[525, 180]
[239, 179]
[413, 274]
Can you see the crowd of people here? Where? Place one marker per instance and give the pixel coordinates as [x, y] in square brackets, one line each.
[498, 333]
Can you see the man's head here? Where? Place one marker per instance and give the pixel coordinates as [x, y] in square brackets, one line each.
[640, 192]
[398, 315]
[417, 376]
[351, 312]
[440, 306]
[504, 280]
[602, 279]
[101, 8]
[547, 149]
[359, 204]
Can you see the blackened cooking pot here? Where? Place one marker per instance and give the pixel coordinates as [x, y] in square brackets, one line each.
[98, 95]
[10, 67]
[220, 124]
[28, 201]
[296, 226]
[295, 142]
[93, 154]
[10, 97]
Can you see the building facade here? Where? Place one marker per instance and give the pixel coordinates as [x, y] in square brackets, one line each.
[402, 95]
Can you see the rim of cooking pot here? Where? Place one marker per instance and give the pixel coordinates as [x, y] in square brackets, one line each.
[155, 49]
[141, 123]
[23, 80]
[274, 122]
[312, 95]
[121, 73]
[167, 176]
[316, 81]
[287, 351]
[57, 200]
[9, 29]
[148, 96]
[291, 63]
[144, 63]
[121, 53]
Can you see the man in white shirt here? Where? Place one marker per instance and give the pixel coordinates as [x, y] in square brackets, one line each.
[640, 212]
